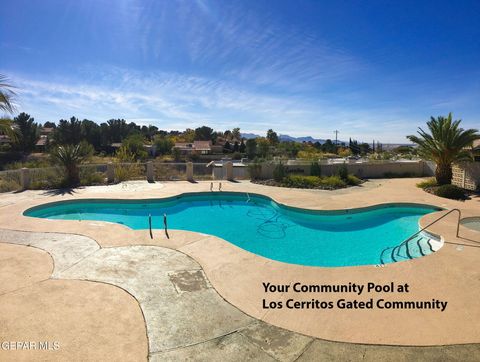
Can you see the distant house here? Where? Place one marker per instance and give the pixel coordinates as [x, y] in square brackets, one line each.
[197, 147]
[46, 134]
[467, 174]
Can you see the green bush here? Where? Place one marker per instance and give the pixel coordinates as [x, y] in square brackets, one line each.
[92, 178]
[128, 171]
[353, 180]
[333, 182]
[315, 169]
[431, 182]
[302, 182]
[279, 172]
[237, 156]
[314, 182]
[343, 172]
[450, 192]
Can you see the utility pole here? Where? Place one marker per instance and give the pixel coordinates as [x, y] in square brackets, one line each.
[336, 137]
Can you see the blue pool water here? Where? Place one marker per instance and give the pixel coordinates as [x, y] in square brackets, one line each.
[260, 225]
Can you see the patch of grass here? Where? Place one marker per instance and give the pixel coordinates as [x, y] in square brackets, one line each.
[450, 192]
[431, 182]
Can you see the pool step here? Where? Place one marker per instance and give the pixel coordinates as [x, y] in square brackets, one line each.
[421, 245]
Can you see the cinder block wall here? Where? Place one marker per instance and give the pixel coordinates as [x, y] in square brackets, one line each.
[467, 175]
[364, 170]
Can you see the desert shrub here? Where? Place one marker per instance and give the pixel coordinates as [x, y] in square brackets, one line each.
[353, 180]
[343, 171]
[450, 192]
[431, 182]
[28, 164]
[279, 172]
[255, 171]
[46, 184]
[237, 156]
[302, 182]
[333, 182]
[314, 182]
[315, 169]
[89, 177]
[128, 171]
[193, 157]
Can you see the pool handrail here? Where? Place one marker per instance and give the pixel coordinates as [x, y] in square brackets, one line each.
[423, 229]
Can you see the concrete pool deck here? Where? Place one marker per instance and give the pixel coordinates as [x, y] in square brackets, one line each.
[175, 288]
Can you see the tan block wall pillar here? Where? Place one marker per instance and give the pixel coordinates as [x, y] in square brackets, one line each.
[25, 178]
[150, 173]
[190, 171]
[228, 170]
[110, 173]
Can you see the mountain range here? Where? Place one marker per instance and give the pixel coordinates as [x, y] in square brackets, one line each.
[285, 137]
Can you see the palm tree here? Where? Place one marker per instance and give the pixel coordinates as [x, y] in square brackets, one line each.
[6, 95]
[6, 128]
[6, 105]
[70, 157]
[444, 145]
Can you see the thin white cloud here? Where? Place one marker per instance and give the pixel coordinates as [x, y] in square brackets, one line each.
[172, 101]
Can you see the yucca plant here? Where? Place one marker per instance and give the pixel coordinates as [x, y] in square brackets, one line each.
[445, 144]
[70, 157]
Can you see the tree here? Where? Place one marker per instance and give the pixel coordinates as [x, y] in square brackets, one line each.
[70, 157]
[236, 135]
[68, 132]
[49, 124]
[163, 144]
[263, 147]
[117, 130]
[242, 147]
[92, 133]
[444, 145]
[27, 132]
[6, 104]
[272, 137]
[133, 144]
[227, 147]
[329, 147]
[251, 148]
[189, 135]
[6, 95]
[203, 133]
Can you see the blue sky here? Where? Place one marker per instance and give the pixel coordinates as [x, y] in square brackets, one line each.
[371, 69]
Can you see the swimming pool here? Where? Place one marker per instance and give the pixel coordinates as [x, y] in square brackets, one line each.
[260, 225]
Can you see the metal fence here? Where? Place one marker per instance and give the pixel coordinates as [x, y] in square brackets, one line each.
[202, 172]
[170, 171]
[10, 181]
